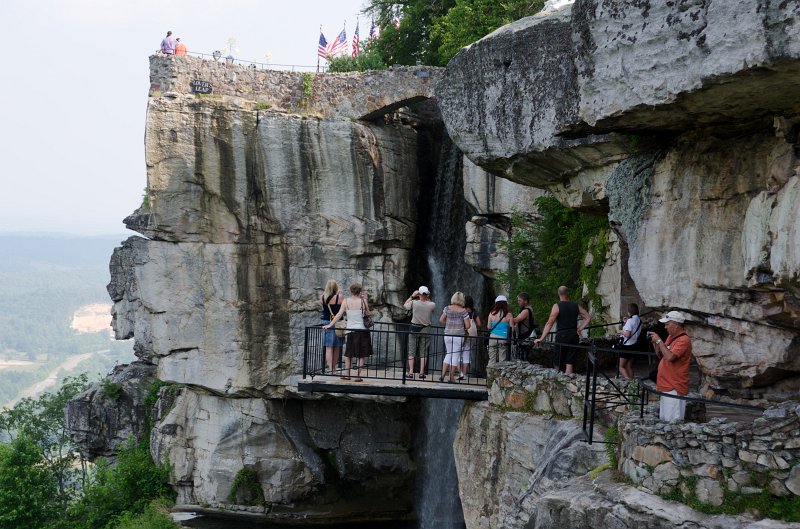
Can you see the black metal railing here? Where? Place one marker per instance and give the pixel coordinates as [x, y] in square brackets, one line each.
[390, 346]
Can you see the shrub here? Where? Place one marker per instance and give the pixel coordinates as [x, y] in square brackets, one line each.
[155, 516]
[27, 488]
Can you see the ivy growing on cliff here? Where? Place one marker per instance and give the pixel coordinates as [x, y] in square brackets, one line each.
[548, 249]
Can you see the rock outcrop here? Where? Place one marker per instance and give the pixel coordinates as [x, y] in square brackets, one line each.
[322, 460]
[679, 122]
[249, 210]
[99, 423]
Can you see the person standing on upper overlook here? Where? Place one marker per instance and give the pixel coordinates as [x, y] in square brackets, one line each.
[180, 47]
[673, 369]
[168, 44]
[565, 314]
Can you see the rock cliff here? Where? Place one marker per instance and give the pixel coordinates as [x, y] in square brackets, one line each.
[257, 194]
[679, 121]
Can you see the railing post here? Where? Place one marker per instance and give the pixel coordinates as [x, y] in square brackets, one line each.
[305, 355]
[586, 405]
[594, 391]
[404, 352]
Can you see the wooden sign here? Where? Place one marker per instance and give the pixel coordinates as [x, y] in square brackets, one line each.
[200, 87]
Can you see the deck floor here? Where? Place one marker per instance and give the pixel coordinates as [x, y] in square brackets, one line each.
[390, 382]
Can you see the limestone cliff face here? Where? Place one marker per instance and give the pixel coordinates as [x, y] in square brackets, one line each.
[680, 124]
[249, 210]
[250, 213]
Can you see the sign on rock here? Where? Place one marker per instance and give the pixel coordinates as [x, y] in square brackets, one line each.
[200, 87]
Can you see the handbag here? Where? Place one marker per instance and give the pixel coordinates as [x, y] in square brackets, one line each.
[368, 321]
[340, 327]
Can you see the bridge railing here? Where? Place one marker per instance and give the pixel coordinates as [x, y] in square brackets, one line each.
[389, 361]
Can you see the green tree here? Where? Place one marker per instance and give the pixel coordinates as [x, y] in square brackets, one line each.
[471, 20]
[42, 421]
[411, 42]
[432, 31]
[125, 487]
[27, 487]
[368, 58]
[548, 249]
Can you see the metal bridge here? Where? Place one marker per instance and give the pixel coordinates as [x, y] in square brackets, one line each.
[386, 371]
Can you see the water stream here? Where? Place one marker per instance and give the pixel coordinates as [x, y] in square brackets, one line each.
[438, 504]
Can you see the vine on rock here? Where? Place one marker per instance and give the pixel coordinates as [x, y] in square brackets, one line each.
[552, 247]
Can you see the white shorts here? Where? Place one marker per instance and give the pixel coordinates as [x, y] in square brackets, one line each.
[672, 409]
[457, 353]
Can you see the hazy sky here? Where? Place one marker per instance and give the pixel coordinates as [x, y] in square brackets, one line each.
[74, 93]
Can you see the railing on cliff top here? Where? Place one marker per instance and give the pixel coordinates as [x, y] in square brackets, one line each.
[258, 65]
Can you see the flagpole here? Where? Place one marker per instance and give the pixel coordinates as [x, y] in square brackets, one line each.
[320, 32]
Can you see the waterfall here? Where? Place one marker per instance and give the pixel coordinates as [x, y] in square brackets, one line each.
[446, 240]
[438, 504]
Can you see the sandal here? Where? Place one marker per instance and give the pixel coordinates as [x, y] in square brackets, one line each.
[422, 377]
[359, 379]
[345, 378]
[441, 379]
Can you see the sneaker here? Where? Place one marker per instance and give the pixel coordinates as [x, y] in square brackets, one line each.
[461, 376]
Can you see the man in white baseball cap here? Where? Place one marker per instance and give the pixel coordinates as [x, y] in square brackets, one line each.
[419, 338]
[673, 369]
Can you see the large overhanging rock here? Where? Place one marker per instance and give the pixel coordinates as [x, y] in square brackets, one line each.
[506, 98]
[541, 99]
[661, 114]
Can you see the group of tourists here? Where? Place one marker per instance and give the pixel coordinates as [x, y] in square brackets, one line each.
[173, 45]
[461, 323]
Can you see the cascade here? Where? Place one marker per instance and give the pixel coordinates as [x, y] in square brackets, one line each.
[439, 505]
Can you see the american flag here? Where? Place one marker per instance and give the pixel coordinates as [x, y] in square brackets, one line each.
[322, 47]
[373, 31]
[339, 45]
[355, 41]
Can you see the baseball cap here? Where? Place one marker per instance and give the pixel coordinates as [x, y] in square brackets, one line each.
[500, 298]
[673, 315]
[424, 290]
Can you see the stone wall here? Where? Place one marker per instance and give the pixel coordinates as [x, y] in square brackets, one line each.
[523, 463]
[353, 95]
[709, 459]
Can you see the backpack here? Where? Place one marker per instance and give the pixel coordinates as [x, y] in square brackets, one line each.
[527, 325]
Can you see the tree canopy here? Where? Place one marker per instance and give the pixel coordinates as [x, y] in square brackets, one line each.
[431, 32]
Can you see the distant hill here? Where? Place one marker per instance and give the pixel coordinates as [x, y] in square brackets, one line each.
[44, 281]
[53, 252]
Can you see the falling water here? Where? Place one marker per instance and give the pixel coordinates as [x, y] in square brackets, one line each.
[439, 505]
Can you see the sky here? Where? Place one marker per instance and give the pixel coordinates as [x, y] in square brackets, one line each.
[74, 93]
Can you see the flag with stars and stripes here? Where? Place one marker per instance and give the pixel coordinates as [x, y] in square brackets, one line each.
[322, 47]
[373, 31]
[339, 45]
[355, 41]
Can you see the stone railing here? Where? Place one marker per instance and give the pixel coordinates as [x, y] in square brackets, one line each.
[527, 387]
[353, 95]
[707, 459]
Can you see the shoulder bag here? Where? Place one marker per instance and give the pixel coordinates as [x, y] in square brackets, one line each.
[368, 321]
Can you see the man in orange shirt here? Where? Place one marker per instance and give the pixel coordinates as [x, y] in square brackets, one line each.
[673, 369]
[180, 47]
